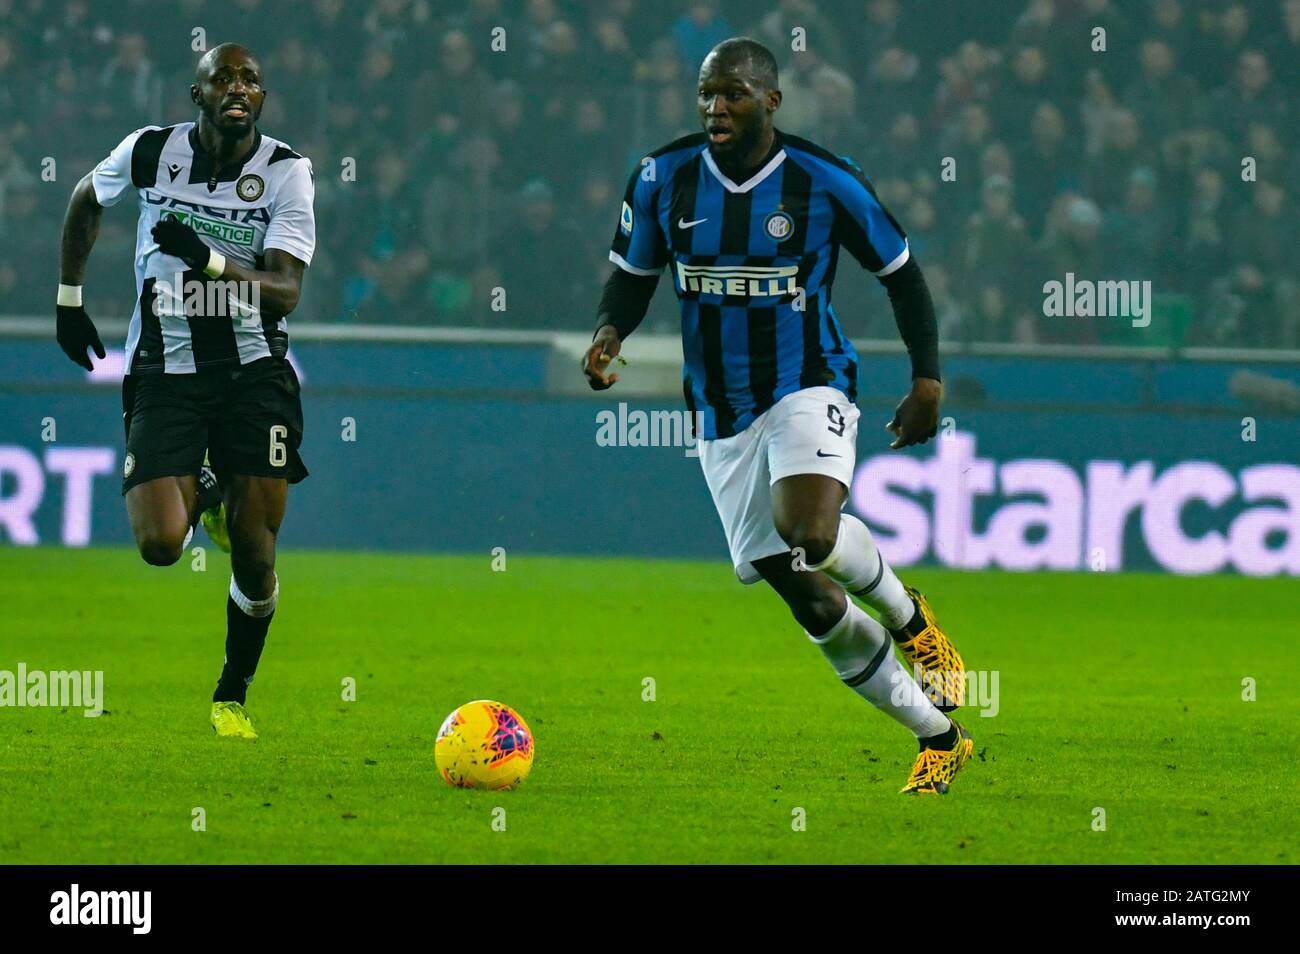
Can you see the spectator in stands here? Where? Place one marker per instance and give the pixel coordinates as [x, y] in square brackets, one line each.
[1222, 39]
[1240, 307]
[803, 79]
[1049, 163]
[1168, 26]
[995, 245]
[1264, 233]
[1205, 233]
[1123, 150]
[582, 90]
[1249, 98]
[129, 87]
[894, 86]
[892, 154]
[881, 30]
[536, 253]
[1161, 96]
[699, 30]
[838, 125]
[1074, 246]
[1284, 47]
[947, 309]
[1136, 234]
[775, 29]
[966, 139]
[1027, 86]
[612, 56]
[1097, 111]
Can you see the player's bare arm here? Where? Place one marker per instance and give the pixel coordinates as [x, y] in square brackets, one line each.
[75, 330]
[80, 230]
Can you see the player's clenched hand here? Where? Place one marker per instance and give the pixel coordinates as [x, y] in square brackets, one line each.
[76, 332]
[604, 349]
[916, 419]
[176, 238]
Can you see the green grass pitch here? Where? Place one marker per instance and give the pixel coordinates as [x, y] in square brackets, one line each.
[1116, 692]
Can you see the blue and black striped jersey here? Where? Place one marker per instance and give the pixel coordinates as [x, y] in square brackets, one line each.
[752, 266]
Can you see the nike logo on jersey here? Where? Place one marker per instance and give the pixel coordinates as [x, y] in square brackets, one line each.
[175, 169]
[821, 454]
[683, 224]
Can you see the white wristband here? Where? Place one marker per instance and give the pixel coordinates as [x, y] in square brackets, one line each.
[70, 296]
[216, 265]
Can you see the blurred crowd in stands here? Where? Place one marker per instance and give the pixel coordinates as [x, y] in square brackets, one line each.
[1171, 156]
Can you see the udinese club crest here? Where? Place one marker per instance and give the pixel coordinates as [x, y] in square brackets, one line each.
[250, 187]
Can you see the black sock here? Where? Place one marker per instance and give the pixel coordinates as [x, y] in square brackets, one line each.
[944, 740]
[915, 626]
[245, 637]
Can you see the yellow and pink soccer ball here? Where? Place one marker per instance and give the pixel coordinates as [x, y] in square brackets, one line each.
[484, 744]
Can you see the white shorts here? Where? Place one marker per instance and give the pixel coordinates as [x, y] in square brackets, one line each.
[813, 431]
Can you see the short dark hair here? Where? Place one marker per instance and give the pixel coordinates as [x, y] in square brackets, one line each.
[743, 49]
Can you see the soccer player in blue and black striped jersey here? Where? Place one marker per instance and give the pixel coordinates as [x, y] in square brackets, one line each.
[751, 221]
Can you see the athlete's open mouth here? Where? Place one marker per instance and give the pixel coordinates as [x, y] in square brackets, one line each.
[236, 109]
[719, 133]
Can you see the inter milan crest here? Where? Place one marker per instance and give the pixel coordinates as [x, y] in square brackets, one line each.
[250, 187]
[779, 226]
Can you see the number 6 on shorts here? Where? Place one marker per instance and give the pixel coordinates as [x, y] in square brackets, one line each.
[278, 456]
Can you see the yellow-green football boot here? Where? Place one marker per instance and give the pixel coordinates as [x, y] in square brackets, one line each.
[934, 768]
[943, 673]
[230, 719]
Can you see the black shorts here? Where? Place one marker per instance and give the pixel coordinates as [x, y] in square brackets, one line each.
[248, 418]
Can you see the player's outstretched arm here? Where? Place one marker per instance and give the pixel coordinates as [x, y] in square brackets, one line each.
[916, 419]
[623, 305]
[279, 283]
[74, 329]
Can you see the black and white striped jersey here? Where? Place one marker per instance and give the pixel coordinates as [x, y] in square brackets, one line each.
[183, 320]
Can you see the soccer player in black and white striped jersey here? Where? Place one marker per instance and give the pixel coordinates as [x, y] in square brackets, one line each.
[226, 230]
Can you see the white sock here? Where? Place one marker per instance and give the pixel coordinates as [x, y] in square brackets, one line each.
[863, 656]
[857, 564]
[251, 607]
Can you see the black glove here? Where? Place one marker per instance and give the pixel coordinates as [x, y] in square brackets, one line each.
[176, 238]
[76, 333]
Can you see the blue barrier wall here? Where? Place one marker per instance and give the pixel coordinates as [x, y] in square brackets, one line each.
[466, 475]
